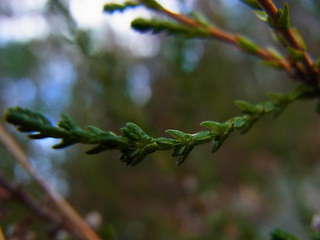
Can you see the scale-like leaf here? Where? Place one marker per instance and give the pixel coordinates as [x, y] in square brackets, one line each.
[296, 54]
[152, 4]
[246, 45]
[283, 17]
[252, 3]
[181, 136]
[239, 122]
[248, 108]
[202, 137]
[216, 127]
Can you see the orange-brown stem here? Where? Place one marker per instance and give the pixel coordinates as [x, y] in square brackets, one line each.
[226, 37]
[291, 40]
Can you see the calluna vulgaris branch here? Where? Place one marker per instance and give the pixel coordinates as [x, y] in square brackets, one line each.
[228, 38]
[309, 74]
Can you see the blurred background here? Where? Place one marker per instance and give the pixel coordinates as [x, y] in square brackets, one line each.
[60, 56]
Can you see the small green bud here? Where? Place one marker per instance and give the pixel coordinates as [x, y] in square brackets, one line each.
[297, 55]
[178, 150]
[248, 108]
[218, 142]
[182, 153]
[181, 136]
[283, 17]
[133, 132]
[262, 15]
[239, 122]
[269, 106]
[152, 4]
[202, 137]
[217, 127]
[67, 123]
[246, 45]
[135, 129]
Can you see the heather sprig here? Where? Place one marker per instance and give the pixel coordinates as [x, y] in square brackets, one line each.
[135, 144]
[298, 64]
[132, 141]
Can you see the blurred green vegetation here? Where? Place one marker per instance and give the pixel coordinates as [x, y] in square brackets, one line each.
[265, 179]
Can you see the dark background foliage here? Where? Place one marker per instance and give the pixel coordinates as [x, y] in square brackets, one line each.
[267, 178]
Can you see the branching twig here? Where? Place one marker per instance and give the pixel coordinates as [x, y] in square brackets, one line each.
[227, 37]
[312, 74]
[17, 193]
[77, 225]
[279, 19]
[132, 141]
[224, 36]
[272, 11]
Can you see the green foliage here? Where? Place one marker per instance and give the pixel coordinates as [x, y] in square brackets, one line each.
[278, 234]
[135, 144]
[112, 7]
[283, 20]
[246, 45]
[316, 236]
[262, 15]
[283, 17]
[299, 38]
[170, 27]
[297, 55]
[152, 4]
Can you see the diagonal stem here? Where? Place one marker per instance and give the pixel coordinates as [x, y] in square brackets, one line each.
[227, 37]
[17, 193]
[77, 225]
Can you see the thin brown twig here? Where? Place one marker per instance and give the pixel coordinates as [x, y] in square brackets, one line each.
[309, 75]
[272, 12]
[17, 193]
[77, 225]
[229, 38]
